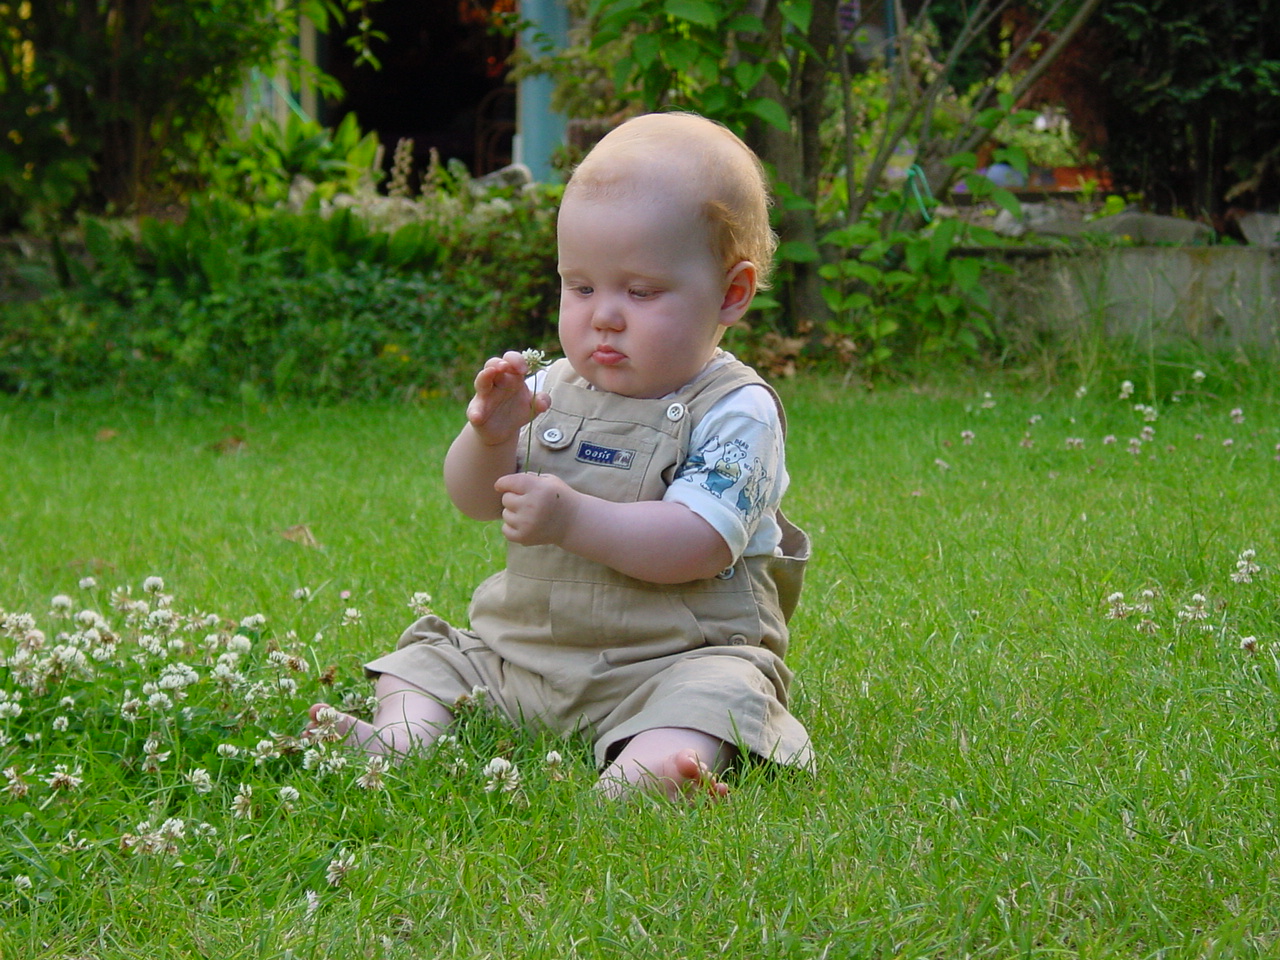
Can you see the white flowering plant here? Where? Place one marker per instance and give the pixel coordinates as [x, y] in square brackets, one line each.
[187, 724]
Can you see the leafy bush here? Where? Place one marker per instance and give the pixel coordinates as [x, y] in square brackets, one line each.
[360, 331]
[323, 302]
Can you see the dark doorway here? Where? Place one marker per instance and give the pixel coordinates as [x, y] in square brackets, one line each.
[443, 82]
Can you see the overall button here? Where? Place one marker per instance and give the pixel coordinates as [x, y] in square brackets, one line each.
[675, 412]
[725, 574]
[552, 435]
[737, 640]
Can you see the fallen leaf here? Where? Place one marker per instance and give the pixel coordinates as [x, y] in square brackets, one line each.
[300, 534]
[231, 444]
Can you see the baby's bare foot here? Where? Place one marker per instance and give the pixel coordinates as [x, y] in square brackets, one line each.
[329, 725]
[681, 776]
[694, 777]
[398, 736]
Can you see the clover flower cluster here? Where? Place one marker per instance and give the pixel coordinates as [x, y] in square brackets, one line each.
[1196, 613]
[192, 705]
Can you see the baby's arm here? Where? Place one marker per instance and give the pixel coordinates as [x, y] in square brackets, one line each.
[653, 540]
[485, 449]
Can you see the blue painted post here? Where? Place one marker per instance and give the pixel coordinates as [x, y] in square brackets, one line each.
[539, 129]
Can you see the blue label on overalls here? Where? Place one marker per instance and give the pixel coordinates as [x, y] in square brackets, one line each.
[605, 456]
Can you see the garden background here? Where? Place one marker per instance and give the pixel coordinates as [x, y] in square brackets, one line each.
[1037, 646]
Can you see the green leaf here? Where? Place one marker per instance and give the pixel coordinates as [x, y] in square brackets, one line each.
[645, 49]
[798, 13]
[745, 23]
[771, 112]
[681, 54]
[990, 118]
[694, 11]
[1007, 200]
[797, 251]
[747, 75]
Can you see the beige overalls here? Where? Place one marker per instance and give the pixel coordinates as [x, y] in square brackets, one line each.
[575, 645]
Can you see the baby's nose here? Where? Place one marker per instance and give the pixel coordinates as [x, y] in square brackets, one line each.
[607, 315]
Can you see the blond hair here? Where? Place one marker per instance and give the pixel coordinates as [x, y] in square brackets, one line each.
[684, 151]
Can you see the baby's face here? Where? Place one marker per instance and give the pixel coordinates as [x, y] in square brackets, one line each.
[641, 291]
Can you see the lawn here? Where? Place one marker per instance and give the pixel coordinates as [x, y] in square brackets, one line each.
[1037, 653]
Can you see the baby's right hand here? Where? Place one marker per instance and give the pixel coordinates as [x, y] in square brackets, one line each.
[503, 402]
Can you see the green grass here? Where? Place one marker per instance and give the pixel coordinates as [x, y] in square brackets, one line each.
[1005, 770]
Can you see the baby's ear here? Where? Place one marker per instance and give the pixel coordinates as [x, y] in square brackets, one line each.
[739, 291]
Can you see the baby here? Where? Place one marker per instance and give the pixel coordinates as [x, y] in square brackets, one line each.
[650, 574]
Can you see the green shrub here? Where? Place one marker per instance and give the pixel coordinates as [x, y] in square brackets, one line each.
[360, 331]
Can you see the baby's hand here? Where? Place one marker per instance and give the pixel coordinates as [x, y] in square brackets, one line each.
[536, 508]
[503, 402]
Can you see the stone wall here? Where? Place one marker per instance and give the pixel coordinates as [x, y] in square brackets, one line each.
[1218, 297]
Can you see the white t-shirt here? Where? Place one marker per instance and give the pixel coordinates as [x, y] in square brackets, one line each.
[736, 472]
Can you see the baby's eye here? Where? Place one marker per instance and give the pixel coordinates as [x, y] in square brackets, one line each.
[643, 293]
[582, 290]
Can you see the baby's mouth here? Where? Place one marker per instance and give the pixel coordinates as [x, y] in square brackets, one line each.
[607, 356]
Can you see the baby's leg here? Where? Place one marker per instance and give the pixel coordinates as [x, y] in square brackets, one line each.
[674, 761]
[407, 719]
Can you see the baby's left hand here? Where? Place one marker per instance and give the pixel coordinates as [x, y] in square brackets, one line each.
[536, 508]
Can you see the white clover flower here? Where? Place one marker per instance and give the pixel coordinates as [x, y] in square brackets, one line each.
[534, 359]
[255, 622]
[1237, 415]
[200, 780]
[22, 882]
[64, 779]
[289, 794]
[239, 643]
[1117, 608]
[130, 709]
[1081, 391]
[420, 603]
[503, 775]
[351, 615]
[88, 583]
[15, 785]
[162, 620]
[1245, 567]
[967, 437]
[1198, 376]
[374, 769]
[242, 805]
[1126, 389]
[89, 618]
[177, 676]
[338, 868]
[1195, 610]
[555, 765]
[302, 594]
[159, 702]
[263, 751]
[60, 724]
[228, 751]
[60, 605]
[153, 585]
[1249, 644]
